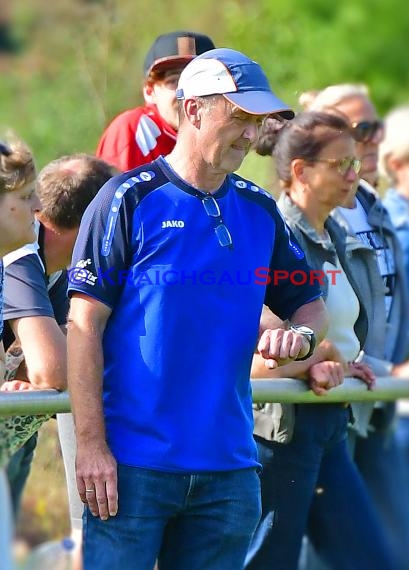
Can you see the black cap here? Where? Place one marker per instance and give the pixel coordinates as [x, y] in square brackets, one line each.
[176, 48]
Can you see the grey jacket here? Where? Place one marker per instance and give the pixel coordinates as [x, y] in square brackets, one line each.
[317, 252]
[395, 336]
[387, 343]
[275, 421]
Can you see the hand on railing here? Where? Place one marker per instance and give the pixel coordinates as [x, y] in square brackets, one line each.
[362, 371]
[325, 375]
[16, 386]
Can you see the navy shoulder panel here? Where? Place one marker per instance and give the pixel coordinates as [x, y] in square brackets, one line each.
[130, 188]
[143, 180]
[251, 191]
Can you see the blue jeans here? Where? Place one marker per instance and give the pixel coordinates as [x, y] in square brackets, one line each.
[311, 485]
[188, 522]
[402, 442]
[383, 465]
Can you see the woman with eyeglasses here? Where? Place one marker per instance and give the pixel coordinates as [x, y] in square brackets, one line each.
[18, 203]
[377, 453]
[307, 459]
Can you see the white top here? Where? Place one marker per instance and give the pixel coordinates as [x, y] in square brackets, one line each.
[358, 222]
[343, 308]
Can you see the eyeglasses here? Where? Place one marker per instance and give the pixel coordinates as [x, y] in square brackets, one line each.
[368, 131]
[213, 211]
[343, 165]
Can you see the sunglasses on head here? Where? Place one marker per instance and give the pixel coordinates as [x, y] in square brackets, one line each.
[368, 131]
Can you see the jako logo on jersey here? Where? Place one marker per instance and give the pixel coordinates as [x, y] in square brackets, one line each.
[173, 224]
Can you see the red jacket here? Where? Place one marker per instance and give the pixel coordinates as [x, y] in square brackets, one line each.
[136, 137]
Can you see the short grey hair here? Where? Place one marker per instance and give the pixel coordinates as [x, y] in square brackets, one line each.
[396, 141]
[332, 95]
[208, 102]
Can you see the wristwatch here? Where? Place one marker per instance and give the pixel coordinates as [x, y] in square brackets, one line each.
[309, 334]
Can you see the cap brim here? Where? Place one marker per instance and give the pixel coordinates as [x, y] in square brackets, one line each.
[260, 103]
[170, 62]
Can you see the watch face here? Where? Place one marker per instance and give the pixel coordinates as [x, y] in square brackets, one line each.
[303, 329]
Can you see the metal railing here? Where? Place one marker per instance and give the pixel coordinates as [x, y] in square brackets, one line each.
[284, 390]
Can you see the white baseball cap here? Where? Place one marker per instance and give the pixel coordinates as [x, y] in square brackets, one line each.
[235, 76]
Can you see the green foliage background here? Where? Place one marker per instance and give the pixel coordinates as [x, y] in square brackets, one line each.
[79, 62]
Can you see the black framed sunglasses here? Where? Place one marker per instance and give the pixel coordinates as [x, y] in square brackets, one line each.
[213, 211]
[343, 165]
[368, 131]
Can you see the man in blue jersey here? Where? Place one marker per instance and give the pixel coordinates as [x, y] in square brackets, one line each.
[172, 265]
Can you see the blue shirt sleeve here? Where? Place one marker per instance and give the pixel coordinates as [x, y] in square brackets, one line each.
[103, 248]
[27, 293]
[289, 285]
[25, 289]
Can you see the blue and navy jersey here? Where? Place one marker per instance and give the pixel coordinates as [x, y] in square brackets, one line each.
[185, 313]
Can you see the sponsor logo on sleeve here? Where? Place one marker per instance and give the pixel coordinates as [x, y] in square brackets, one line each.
[79, 274]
